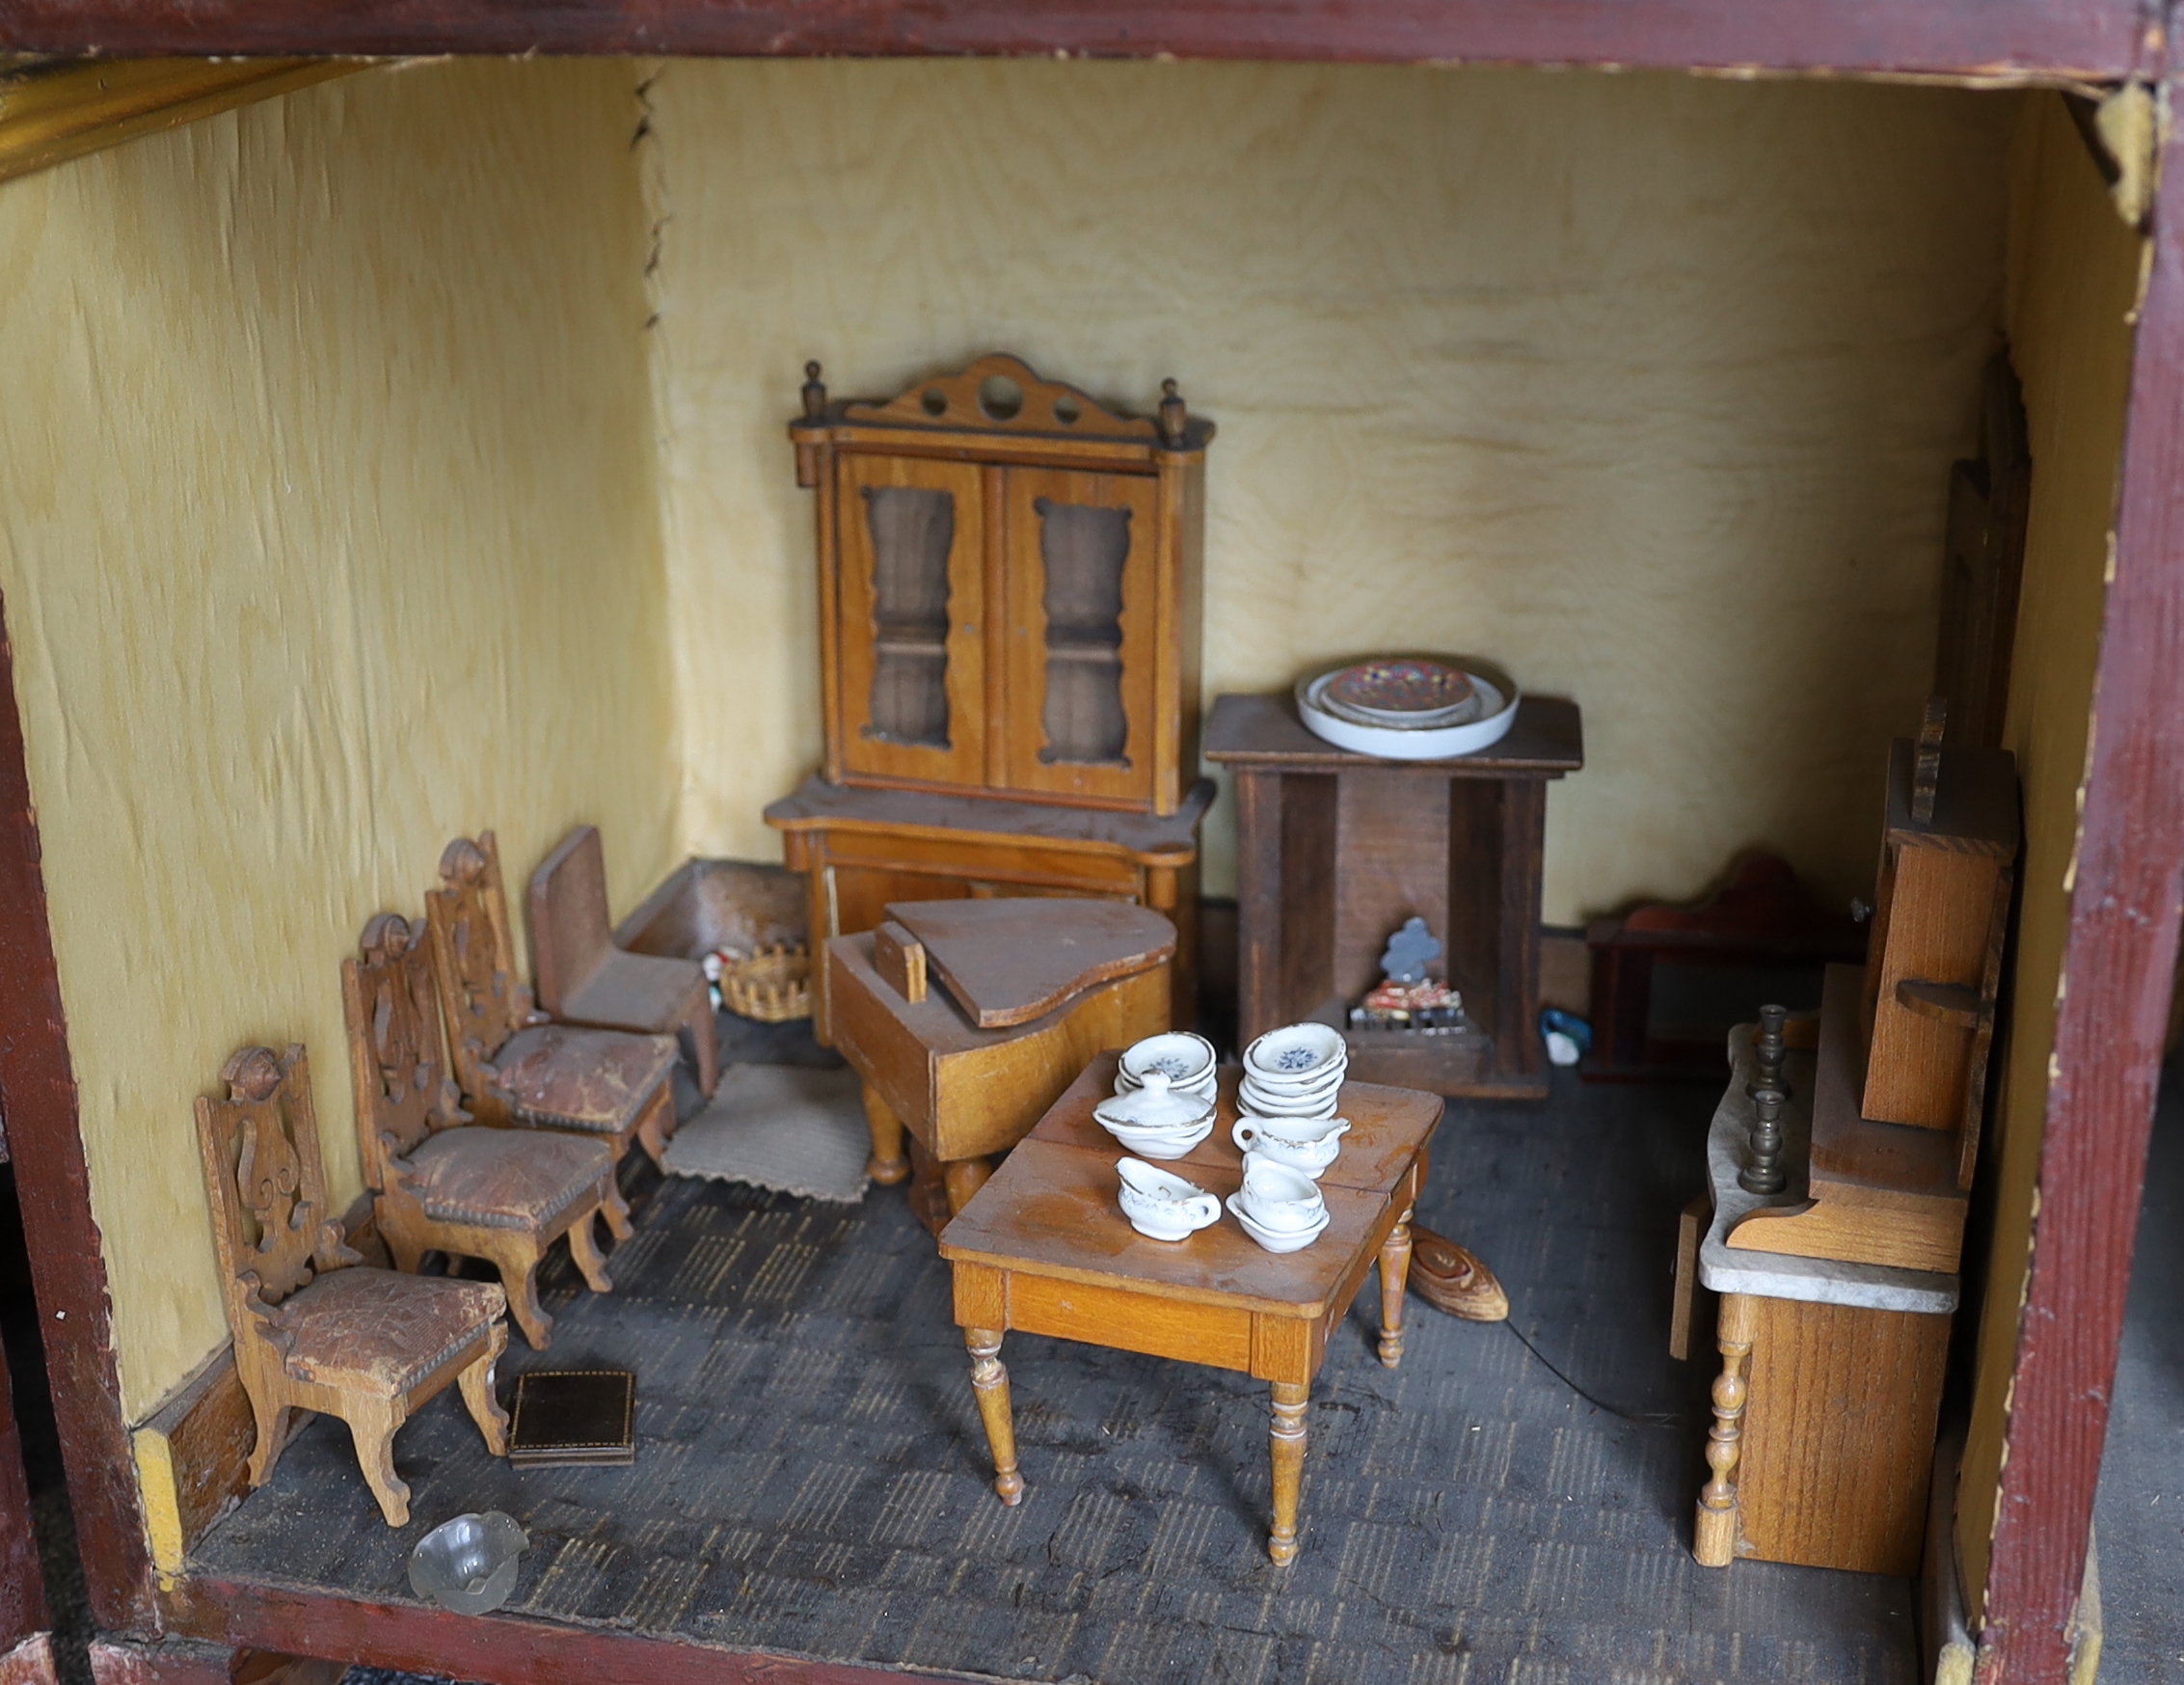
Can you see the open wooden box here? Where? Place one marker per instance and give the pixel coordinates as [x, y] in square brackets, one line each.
[403, 457]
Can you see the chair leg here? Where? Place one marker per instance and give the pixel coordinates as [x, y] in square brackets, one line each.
[273, 1421]
[657, 1124]
[583, 1247]
[616, 1208]
[476, 1383]
[705, 1042]
[371, 1425]
[407, 1254]
[516, 1259]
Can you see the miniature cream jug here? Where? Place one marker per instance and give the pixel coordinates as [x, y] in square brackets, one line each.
[1306, 1144]
[1164, 1207]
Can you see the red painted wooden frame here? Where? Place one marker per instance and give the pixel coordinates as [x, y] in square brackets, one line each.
[2109, 1022]
[498, 1649]
[37, 1093]
[2072, 40]
[2124, 910]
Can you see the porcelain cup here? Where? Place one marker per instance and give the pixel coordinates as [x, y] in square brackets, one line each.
[1276, 1197]
[1306, 1144]
[1161, 1205]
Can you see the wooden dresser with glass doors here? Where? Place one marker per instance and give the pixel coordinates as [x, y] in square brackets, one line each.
[1009, 588]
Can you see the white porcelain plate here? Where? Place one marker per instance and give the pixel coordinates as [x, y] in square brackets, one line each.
[1498, 698]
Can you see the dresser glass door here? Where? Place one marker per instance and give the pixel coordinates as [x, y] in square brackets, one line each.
[912, 660]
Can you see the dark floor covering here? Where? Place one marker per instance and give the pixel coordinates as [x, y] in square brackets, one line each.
[812, 1478]
[2139, 1523]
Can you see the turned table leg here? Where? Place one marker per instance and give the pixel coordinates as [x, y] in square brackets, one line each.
[1291, 1399]
[990, 1381]
[887, 1166]
[1714, 1532]
[1394, 1273]
[964, 1178]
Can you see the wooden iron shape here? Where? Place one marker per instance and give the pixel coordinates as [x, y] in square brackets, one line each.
[583, 978]
[439, 1181]
[514, 1064]
[314, 1327]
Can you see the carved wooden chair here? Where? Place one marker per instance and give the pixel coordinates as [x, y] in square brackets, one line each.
[440, 1182]
[316, 1328]
[584, 979]
[515, 1065]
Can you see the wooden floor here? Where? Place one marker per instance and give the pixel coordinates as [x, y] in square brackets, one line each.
[812, 1478]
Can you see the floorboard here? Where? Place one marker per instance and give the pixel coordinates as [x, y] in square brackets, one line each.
[1514, 1504]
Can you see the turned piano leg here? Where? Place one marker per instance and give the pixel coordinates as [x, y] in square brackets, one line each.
[1715, 1532]
[887, 1166]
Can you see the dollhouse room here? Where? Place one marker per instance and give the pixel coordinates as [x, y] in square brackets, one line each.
[658, 703]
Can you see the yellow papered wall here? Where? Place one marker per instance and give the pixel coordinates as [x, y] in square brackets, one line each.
[328, 530]
[1646, 385]
[2073, 283]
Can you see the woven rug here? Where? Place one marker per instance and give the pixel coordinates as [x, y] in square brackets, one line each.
[790, 1129]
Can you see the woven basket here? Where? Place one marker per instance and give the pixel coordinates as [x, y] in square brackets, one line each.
[772, 985]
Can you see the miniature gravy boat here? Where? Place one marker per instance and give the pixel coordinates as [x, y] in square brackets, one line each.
[1306, 1144]
[1163, 1205]
[1279, 1199]
[1156, 1121]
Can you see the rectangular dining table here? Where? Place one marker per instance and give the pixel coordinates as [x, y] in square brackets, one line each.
[1043, 1248]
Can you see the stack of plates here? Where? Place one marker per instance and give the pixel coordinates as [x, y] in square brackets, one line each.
[1409, 707]
[1187, 1060]
[1295, 1071]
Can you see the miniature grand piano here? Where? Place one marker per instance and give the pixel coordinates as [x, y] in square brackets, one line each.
[1902, 1074]
[1837, 1266]
[966, 1018]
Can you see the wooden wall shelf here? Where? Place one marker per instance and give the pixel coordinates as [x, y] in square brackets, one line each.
[1335, 850]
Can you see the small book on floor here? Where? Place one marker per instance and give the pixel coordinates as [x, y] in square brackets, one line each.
[573, 1416]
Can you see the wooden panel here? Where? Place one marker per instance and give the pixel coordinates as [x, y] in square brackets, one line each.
[1887, 1236]
[1219, 1336]
[1940, 904]
[1547, 741]
[990, 860]
[1177, 682]
[905, 637]
[193, 1458]
[1303, 917]
[1391, 838]
[1006, 964]
[1839, 1435]
[1082, 658]
[2084, 40]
